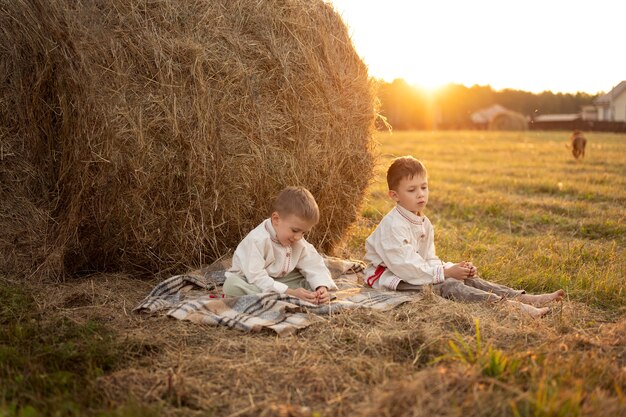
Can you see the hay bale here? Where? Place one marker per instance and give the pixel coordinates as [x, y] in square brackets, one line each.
[152, 135]
[508, 120]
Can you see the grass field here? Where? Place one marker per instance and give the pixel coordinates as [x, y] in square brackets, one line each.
[516, 204]
[521, 207]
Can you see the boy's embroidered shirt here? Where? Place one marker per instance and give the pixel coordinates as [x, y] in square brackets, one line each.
[260, 258]
[405, 244]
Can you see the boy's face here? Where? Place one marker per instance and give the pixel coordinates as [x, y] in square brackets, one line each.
[411, 193]
[290, 228]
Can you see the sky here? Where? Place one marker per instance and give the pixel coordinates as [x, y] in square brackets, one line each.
[531, 45]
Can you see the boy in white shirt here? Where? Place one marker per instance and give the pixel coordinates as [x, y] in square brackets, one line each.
[401, 251]
[275, 257]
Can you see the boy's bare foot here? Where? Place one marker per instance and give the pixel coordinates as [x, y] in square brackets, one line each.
[540, 300]
[533, 311]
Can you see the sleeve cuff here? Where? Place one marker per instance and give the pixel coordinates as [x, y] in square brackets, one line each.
[322, 282]
[439, 274]
[393, 283]
[279, 287]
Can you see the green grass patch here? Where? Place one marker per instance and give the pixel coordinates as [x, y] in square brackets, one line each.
[50, 366]
[520, 208]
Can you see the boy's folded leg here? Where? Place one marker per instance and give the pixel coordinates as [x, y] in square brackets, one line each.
[294, 280]
[457, 290]
[236, 286]
[405, 286]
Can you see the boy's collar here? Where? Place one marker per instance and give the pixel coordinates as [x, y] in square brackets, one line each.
[409, 215]
[270, 229]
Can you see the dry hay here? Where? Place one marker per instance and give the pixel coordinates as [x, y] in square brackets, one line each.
[508, 120]
[151, 135]
[356, 363]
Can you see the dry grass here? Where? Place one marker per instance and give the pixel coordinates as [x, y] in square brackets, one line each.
[152, 135]
[358, 363]
[508, 215]
[403, 362]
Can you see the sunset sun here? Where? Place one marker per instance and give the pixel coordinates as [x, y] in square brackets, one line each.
[532, 48]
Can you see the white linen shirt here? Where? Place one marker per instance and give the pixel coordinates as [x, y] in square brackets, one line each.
[260, 258]
[404, 243]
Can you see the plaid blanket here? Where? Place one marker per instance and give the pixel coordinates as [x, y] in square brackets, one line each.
[196, 297]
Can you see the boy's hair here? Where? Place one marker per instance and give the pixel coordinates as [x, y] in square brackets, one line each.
[403, 167]
[297, 201]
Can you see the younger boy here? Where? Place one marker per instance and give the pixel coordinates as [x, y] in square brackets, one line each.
[401, 251]
[275, 257]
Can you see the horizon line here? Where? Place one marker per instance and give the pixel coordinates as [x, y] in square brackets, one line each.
[442, 86]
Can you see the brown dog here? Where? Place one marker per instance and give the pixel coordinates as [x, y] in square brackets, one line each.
[578, 143]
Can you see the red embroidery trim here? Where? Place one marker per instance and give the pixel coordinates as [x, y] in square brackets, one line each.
[370, 281]
[287, 262]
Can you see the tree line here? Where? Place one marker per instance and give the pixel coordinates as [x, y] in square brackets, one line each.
[407, 107]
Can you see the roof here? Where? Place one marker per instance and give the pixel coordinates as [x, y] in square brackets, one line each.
[557, 117]
[486, 114]
[617, 91]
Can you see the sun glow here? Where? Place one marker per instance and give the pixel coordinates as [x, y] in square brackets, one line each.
[534, 46]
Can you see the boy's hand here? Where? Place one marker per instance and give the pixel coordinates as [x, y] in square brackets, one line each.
[458, 271]
[303, 294]
[473, 270]
[323, 296]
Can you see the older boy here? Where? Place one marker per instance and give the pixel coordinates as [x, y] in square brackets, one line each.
[401, 251]
[275, 257]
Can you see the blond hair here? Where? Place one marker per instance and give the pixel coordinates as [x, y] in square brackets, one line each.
[297, 201]
[404, 167]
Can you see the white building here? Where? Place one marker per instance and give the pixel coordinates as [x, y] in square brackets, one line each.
[566, 117]
[610, 107]
[482, 117]
[589, 112]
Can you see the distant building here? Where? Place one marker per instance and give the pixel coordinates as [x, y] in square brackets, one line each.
[606, 114]
[482, 117]
[565, 121]
[589, 112]
[565, 117]
[611, 107]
